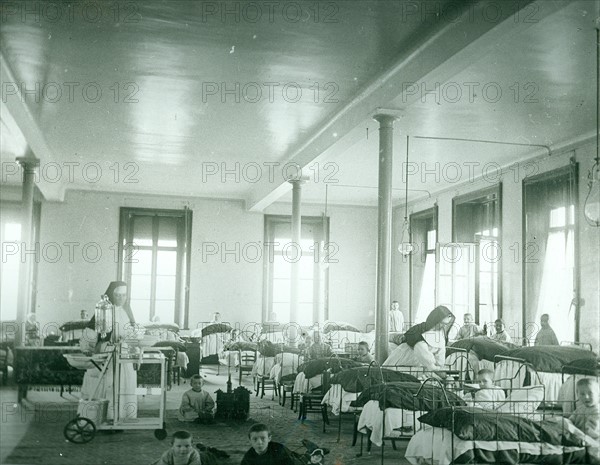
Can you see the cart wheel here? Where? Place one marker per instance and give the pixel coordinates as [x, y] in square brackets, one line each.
[80, 430]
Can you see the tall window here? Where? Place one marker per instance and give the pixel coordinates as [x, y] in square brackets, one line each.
[476, 219]
[154, 252]
[551, 283]
[11, 239]
[423, 231]
[278, 267]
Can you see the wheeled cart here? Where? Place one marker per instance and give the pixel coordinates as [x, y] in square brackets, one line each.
[92, 413]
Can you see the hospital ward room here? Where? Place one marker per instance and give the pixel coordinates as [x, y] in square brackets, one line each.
[341, 232]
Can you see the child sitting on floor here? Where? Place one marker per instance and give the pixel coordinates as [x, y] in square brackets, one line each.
[182, 452]
[487, 396]
[263, 450]
[196, 404]
[586, 416]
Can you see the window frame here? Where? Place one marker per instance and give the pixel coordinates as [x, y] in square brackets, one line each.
[432, 213]
[17, 207]
[482, 196]
[270, 221]
[572, 171]
[183, 248]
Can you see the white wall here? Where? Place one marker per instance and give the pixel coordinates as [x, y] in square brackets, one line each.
[512, 267]
[231, 283]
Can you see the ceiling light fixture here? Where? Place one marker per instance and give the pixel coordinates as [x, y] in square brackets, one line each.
[406, 247]
[591, 206]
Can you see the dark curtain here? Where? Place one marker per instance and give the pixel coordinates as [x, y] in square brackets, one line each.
[419, 225]
[539, 198]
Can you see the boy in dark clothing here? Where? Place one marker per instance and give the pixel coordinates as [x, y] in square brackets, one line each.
[263, 450]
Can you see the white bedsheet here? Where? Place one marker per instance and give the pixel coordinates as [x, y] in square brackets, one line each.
[300, 384]
[434, 446]
[337, 397]
[213, 344]
[372, 418]
[263, 365]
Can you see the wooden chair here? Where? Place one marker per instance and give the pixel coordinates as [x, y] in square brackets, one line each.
[311, 401]
[247, 361]
[264, 383]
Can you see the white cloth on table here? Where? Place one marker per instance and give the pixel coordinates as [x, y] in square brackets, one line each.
[336, 397]
[371, 418]
[182, 360]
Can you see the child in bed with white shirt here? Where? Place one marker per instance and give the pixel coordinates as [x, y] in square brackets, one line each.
[586, 416]
[488, 396]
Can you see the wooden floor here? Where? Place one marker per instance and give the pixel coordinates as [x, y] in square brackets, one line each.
[20, 422]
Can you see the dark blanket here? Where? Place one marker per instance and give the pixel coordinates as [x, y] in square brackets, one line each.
[270, 349]
[583, 366]
[321, 365]
[175, 345]
[402, 395]
[551, 359]
[513, 457]
[360, 378]
[484, 347]
[242, 345]
[470, 423]
[74, 325]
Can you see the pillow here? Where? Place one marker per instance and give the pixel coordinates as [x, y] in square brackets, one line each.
[523, 401]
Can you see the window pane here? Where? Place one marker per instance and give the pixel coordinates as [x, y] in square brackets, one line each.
[306, 268]
[142, 230]
[557, 217]
[281, 290]
[306, 290]
[167, 232]
[141, 310]
[431, 239]
[281, 312]
[305, 314]
[281, 268]
[141, 262]
[12, 232]
[166, 262]
[572, 214]
[165, 287]
[141, 286]
[165, 311]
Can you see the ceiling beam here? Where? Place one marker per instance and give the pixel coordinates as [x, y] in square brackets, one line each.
[446, 50]
[21, 115]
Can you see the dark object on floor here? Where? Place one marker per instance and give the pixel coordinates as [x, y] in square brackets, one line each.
[220, 454]
[233, 405]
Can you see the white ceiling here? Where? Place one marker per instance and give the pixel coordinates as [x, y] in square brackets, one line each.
[168, 132]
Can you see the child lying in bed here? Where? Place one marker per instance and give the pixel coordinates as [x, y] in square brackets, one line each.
[488, 396]
[586, 416]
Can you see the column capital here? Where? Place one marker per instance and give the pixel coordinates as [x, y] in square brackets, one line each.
[298, 181]
[28, 163]
[386, 116]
